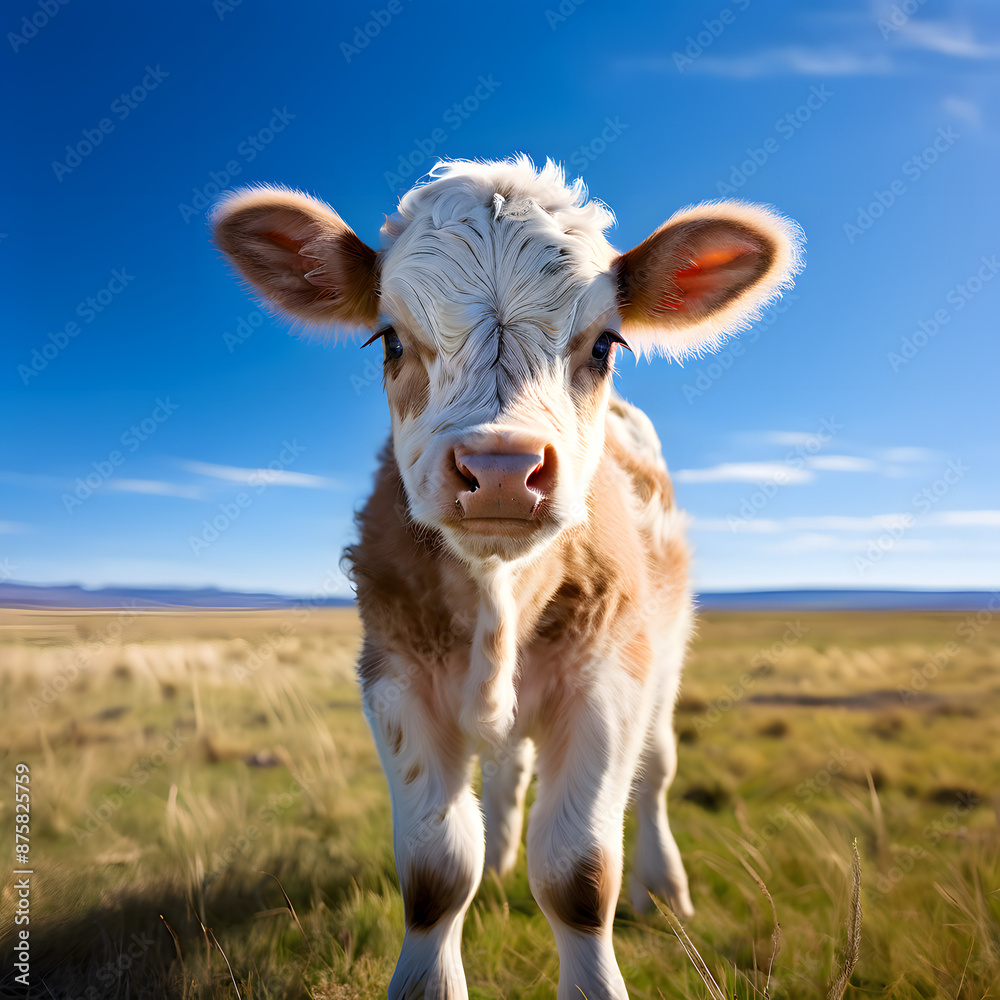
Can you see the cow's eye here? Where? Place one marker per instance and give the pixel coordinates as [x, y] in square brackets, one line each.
[392, 345]
[602, 346]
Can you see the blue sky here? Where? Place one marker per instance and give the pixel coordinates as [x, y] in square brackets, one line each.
[849, 440]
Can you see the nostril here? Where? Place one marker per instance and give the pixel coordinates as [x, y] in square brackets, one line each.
[470, 482]
[542, 477]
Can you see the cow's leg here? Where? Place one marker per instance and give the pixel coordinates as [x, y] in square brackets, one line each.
[656, 863]
[585, 768]
[437, 836]
[506, 776]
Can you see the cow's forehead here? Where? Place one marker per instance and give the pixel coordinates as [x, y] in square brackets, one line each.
[482, 248]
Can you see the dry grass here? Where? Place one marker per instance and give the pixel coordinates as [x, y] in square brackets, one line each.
[209, 815]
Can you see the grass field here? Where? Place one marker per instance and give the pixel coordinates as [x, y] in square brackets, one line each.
[208, 812]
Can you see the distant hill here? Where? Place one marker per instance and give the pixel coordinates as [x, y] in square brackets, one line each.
[26, 595]
[849, 600]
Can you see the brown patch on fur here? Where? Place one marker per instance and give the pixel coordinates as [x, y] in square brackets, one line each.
[413, 773]
[637, 658]
[582, 898]
[649, 481]
[393, 737]
[407, 385]
[429, 894]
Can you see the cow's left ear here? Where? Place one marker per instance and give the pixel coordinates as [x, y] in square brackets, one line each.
[705, 274]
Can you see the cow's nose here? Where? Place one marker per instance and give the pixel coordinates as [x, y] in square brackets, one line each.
[504, 485]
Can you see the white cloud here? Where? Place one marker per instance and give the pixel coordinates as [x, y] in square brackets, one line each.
[908, 454]
[964, 519]
[815, 542]
[966, 110]
[871, 524]
[793, 60]
[833, 522]
[259, 477]
[746, 472]
[945, 38]
[842, 463]
[789, 438]
[155, 487]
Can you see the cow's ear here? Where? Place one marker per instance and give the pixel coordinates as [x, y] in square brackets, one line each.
[705, 274]
[300, 256]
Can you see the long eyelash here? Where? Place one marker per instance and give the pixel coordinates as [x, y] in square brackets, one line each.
[375, 336]
[616, 338]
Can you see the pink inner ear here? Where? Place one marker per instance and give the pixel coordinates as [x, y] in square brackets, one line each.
[706, 275]
[284, 241]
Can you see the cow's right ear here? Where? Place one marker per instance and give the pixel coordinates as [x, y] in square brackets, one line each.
[300, 256]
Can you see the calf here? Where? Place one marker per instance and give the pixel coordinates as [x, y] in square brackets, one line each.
[521, 569]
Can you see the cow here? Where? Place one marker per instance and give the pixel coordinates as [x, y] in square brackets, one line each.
[521, 566]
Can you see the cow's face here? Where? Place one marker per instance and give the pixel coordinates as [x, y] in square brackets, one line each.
[501, 308]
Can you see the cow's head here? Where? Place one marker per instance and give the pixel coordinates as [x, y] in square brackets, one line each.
[501, 308]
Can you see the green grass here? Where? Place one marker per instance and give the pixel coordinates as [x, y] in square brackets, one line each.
[206, 798]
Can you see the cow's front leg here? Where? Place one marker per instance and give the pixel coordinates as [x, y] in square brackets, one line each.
[437, 832]
[586, 759]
